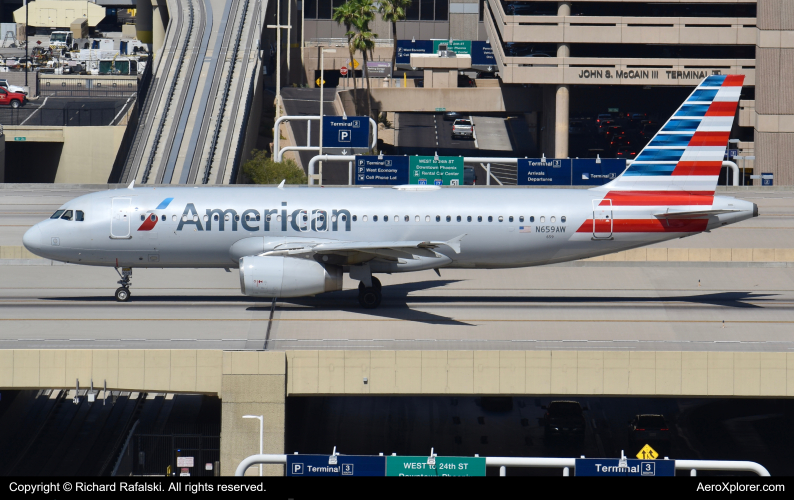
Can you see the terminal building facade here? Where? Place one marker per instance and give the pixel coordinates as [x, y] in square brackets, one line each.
[589, 56]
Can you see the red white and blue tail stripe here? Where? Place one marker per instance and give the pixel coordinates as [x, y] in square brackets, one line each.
[686, 154]
[669, 187]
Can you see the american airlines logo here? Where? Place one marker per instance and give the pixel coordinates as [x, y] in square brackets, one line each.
[299, 219]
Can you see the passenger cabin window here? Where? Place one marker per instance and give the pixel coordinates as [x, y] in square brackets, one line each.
[553, 219]
[68, 215]
[407, 219]
[479, 218]
[501, 219]
[57, 214]
[355, 218]
[521, 219]
[162, 218]
[153, 217]
[364, 218]
[449, 219]
[490, 218]
[531, 218]
[173, 218]
[417, 218]
[374, 218]
[468, 219]
[427, 218]
[510, 219]
[562, 219]
[438, 218]
[542, 218]
[143, 217]
[458, 218]
[385, 218]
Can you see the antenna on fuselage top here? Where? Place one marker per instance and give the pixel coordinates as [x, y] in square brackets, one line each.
[281, 186]
[132, 184]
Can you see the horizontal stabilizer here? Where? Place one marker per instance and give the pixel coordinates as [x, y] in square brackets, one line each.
[695, 213]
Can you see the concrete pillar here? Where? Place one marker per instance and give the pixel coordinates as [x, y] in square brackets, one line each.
[561, 122]
[428, 76]
[774, 104]
[159, 23]
[464, 18]
[453, 78]
[143, 20]
[563, 9]
[546, 127]
[259, 390]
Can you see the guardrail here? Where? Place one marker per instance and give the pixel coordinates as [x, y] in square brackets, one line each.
[543, 462]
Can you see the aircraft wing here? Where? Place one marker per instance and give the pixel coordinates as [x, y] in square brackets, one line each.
[390, 250]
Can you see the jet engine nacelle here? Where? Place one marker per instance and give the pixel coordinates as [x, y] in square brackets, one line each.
[278, 276]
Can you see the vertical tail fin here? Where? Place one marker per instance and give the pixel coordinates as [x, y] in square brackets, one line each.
[686, 154]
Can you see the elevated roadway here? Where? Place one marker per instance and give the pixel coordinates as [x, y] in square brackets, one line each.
[193, 123]
[729, 290]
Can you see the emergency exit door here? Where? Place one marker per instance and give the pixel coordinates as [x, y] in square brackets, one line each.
[120, 218]
[602, 219]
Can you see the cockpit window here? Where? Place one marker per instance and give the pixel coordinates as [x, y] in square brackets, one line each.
[68, 215]
[79, 215]
[57, 214]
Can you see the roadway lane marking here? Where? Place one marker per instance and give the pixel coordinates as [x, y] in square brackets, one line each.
[35, 111]
[120, 112]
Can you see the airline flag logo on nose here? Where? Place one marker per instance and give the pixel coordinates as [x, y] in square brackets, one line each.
[151, 218]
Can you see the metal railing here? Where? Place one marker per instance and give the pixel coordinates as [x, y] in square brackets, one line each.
[342, 42]
[542, 462]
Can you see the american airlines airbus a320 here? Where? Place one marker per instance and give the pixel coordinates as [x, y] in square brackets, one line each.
[290, 242]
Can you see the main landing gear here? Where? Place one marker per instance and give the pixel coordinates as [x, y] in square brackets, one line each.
[123, 292]
[369, 297]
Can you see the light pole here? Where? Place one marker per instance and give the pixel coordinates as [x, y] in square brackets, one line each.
[322, 89]
[278, 27]
[261, 429]
[27, 62]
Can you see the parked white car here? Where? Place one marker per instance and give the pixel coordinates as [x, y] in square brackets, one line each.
[12, 88]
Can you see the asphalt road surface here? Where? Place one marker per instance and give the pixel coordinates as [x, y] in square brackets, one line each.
[594, 305]
[68, 111]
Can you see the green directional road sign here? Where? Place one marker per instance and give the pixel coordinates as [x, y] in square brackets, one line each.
[457, 46]
[446, 170]
[443, 466]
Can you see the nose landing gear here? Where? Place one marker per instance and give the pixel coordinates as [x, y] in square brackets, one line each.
[369, 296]
[123, 292]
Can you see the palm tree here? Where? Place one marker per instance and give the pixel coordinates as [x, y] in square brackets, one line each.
[364, 40]
[346, 14]
[392, 11]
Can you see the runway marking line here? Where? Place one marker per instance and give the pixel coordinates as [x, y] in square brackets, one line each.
[392, 320]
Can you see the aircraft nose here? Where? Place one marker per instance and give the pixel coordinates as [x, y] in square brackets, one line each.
[32, 239]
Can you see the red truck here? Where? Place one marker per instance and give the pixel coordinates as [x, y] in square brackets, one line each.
[14, 99]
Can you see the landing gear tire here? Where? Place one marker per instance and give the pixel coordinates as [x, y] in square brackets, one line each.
[122, 294]
[369, 298]
[375, 284]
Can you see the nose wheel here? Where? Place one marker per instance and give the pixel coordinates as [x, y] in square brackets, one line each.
[123, 293]
[370, 296]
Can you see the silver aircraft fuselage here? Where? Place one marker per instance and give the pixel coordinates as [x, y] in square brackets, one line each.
[198, 227]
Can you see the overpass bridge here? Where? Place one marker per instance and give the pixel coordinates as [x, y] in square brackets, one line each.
[192, 126]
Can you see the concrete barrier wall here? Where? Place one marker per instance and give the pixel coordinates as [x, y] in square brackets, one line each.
[606, 373]
[490, 100]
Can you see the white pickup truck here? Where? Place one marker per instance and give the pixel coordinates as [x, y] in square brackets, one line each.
[462, 128]
[12, 88]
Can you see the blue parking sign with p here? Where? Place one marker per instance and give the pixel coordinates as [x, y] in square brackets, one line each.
[339, 465]
[341, 132]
